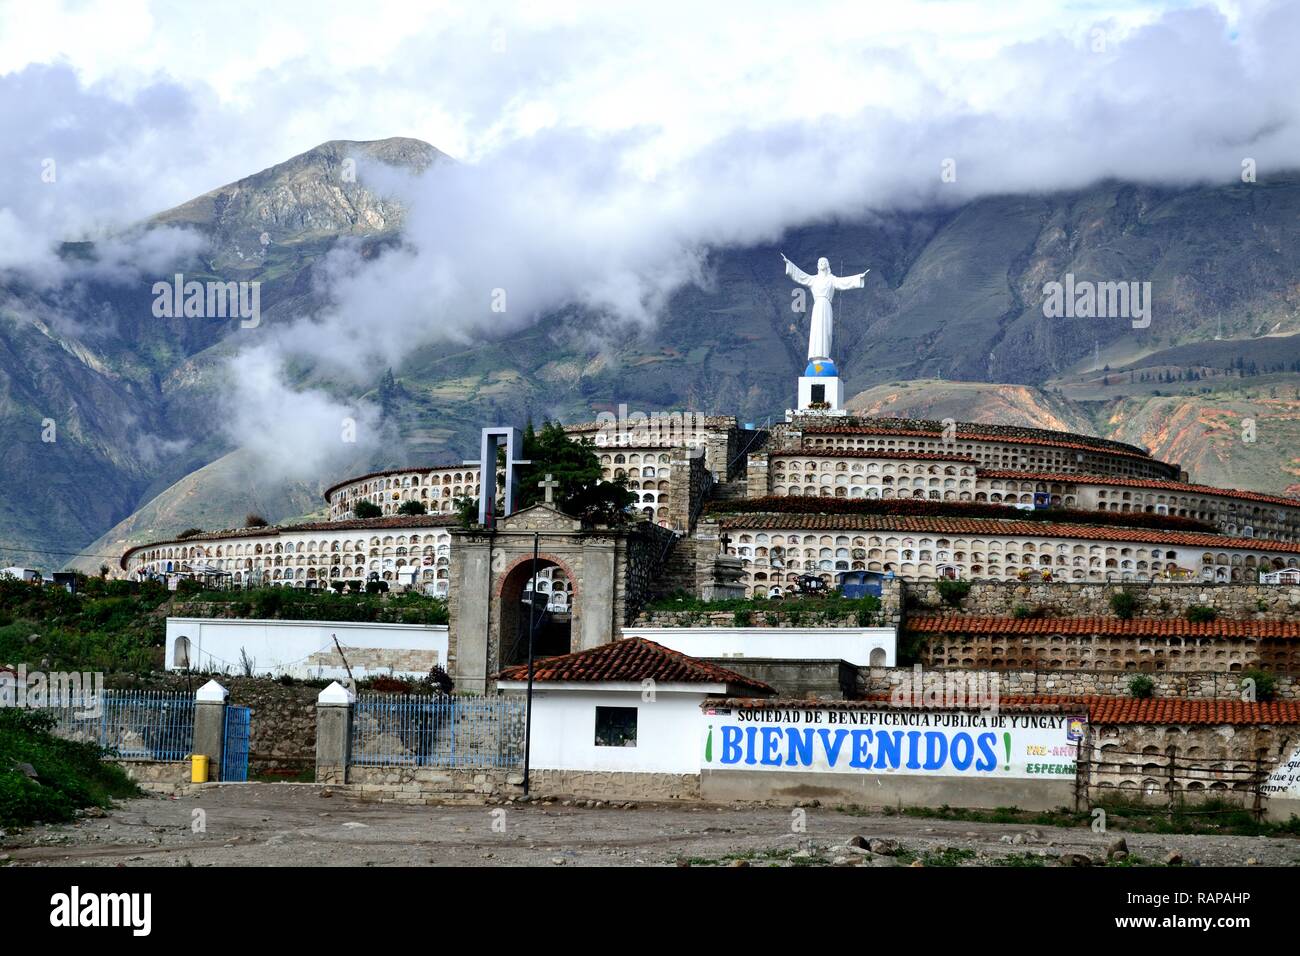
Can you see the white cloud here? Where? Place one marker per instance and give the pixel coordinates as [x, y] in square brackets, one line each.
[604, 148]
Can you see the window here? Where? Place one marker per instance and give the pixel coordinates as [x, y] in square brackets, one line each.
[615, 726]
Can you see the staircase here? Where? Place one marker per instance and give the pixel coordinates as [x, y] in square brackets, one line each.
[729, 490]
[678, 573]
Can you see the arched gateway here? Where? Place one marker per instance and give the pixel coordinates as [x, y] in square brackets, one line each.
[589, 580]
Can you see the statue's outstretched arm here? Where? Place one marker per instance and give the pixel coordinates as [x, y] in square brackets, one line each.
[795, 273]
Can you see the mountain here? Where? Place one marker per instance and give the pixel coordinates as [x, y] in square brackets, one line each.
[951, 323]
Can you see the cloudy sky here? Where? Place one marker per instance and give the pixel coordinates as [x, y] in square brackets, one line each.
[147, 104]
[604, 149]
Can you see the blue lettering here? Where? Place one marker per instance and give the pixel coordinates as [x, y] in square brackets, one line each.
[861, 738]
[961, 761]
[832, 752]
[750, 734]
[889, 747]
[799, 753]
[990, 758]
[936, 750]
[771, 746]
[913, 745]
[730, 744]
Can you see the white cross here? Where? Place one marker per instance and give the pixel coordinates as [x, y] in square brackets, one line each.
[550, 484]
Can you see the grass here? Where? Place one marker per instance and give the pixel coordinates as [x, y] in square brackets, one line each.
[120, 626]
[70, 775]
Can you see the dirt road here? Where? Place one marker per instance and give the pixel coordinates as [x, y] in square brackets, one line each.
[296, 824]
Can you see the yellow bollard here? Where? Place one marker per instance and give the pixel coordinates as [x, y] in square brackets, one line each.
[198, 768]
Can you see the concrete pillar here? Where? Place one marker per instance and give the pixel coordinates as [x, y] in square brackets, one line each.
[334, 733]
[210, 725]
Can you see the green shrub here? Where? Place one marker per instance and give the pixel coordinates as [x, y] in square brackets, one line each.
[1141, 687]
[953, 592]
[69, 774]
[1124, 604]
[412, 508]
[1265, 684]
[1201, 614]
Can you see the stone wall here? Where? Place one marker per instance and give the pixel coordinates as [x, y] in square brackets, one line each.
[159, 776]
[639, 565]
[689, 482]
[283, 732]
[431, 785]
[1059, 599]
[1223, 761]
[1199, 685]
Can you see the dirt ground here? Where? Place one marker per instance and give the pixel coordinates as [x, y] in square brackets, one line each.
[296, 824]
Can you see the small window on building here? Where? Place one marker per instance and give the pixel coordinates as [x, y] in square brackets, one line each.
[615, 726]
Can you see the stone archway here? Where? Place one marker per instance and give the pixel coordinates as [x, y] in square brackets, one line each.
[521, 599]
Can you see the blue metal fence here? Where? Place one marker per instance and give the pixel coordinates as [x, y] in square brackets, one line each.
[391, 730]
[132, 724]
[234, 753]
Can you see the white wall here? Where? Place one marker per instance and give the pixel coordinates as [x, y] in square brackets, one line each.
[852, 644]
[667, 738]
[287, 647]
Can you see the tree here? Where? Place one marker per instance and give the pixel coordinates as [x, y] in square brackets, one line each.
[366, 509]
[582, 490]
[253, 520]
[412, 508]
[466, 507]
[188, 533]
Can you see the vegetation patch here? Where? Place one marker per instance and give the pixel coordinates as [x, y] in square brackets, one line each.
[45, 779]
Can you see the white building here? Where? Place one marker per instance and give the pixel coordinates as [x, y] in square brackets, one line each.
[304, 649]
[859, 646]
[632, 706]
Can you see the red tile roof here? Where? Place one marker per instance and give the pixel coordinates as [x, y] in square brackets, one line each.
[632, 659]
[1136, 627]
[1140, 483]
[1100, 710]
[884, 453]
[1082, 445]
[997, 526]
[422, 470]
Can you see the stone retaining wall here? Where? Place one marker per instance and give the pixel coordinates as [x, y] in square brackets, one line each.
[1060, 599]
[158, 776]
[431, 785]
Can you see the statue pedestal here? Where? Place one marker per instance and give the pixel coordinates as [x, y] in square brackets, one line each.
[816, 391]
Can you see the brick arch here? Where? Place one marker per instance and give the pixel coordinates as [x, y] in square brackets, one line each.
[499, 587]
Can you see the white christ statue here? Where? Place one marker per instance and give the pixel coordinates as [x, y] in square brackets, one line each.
[824, 286]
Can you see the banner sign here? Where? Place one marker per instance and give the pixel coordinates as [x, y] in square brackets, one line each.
[910, 742]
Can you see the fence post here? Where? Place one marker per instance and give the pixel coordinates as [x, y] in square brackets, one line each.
[334, 733]
[210, 725]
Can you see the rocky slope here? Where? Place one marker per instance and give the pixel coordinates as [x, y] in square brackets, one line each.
[951, 323]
